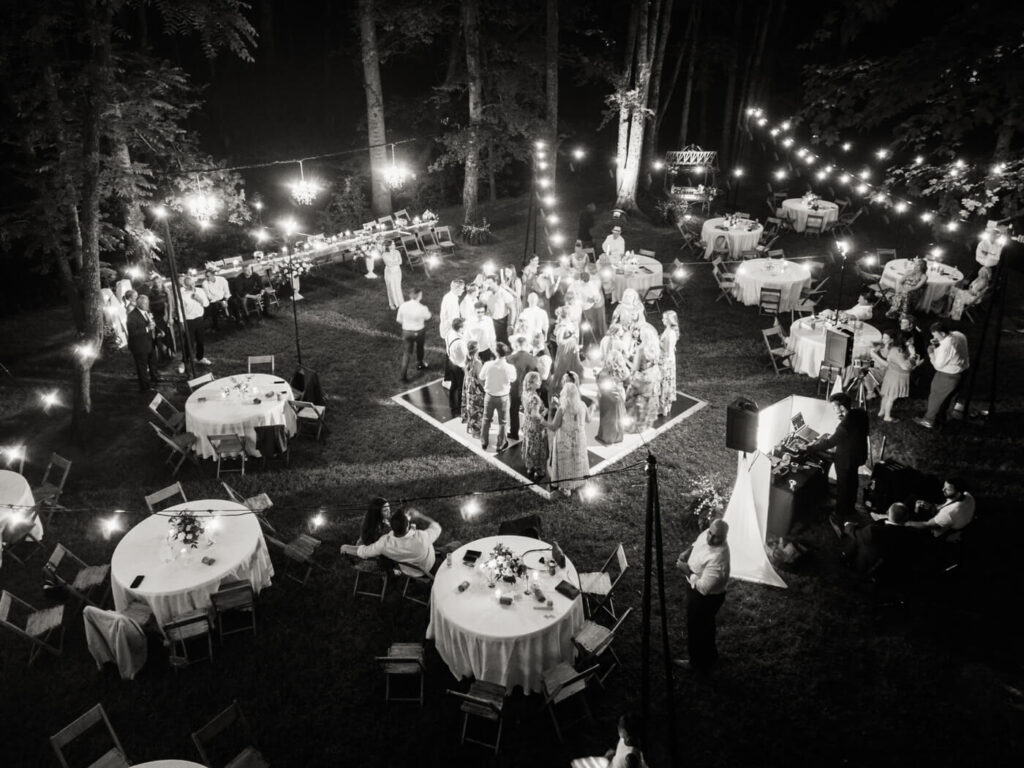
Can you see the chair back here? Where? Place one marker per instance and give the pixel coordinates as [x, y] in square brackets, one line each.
[885, 254]
[771, 335]
[165, 494]
[196, 383]
[412, 246]
[428, 239]
[649, 254]
[227, 446]
[166, 412]
[167, 439]
[444, 235]
[572, 685]
[369, 226]
[74, 730]
[742, 215]
[402, 214]
[259, 360]
[230, 718]
[234, 495]
[815, 223]
[777, 253]
[654, 294]
[721, 244]
[770, 301]
[388, 221]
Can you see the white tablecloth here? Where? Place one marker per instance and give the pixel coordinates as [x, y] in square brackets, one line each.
[753, 275]
[169, 764]
[648, 273]
[510, 645]
[15, 501]
[797, 210]
[808, 344]
[173, 587]
[233, 415]
[941, 280]
[740, 237]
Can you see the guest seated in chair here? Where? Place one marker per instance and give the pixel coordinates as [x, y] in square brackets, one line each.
[279, 282]
[949, 518]
[863, 309]
[246, 289]
[908, 290]
[219, 293]
[971, 296]
[626, 753]
[409, 546]
[887, 538]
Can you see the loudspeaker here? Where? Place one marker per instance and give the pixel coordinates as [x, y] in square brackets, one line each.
[741, 425]
[838, 347]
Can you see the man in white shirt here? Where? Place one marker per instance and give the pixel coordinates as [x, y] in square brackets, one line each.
[481, 328]
[449, 311]
[411, 547]
[990, 247]
[413, 316]
[467, 306]
[218, 292]
[194, 303]
[498, 376]
[533, 319]
[949, 357]
[614, 245]
[706, 565]
[455, 362]
[863, 309]
[951, 517]
[500, 306]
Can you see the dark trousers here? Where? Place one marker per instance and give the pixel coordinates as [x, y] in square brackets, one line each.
[515, 403]
[847, 485]
[501, 329]
[145, 368]
[944, 388]
[215, 311]
[700, 627]
[412, 341]
[195, 333]
[456, 376]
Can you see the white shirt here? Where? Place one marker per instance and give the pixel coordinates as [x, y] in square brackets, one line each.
[455, 345]
[710, 566]
[497, 376]
[534, 320]
[950, 356]
[412, 315]
[500, 303]
[416, 548]
[954, 515]
[194, 302]
[860, 312]
[216, 288]
[988, 252]
[467, 307]
[481, 330]
[449, 311]
[614, 245]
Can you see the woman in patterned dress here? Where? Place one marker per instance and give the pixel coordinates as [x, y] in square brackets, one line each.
[611, 387]
[535, 436]
[643, 397]
[896, 380]
[472, 392]
[669, 339]
[567, 355]
[568, 465]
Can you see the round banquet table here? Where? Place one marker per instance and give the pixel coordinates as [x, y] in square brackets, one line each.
[797, 211]
[648, 273]
[753, 275]
[941, 280]
[743, 236]
[173, 587]
[16, 500]
[208, 412]
[509, 645]
[808, 343]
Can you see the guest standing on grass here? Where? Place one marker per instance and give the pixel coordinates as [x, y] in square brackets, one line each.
[498, 377]
[393, 275]
[473, 391]
[524, 363]
[218, 292]
[535, 436]
[948, 355]
[706, 565]
[899, 363]
[851, 443]
[413, 316]
[568, 465]
[194, 303]
[455, 364]
[142, 343]
[669, 339]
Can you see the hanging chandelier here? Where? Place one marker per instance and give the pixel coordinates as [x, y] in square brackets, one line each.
[397, 176]
[202, 207]
[304, 192]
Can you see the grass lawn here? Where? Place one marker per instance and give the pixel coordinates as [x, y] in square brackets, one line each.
[810, 675]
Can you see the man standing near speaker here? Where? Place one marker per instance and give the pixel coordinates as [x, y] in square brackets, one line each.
[706, 565]
[851, 443]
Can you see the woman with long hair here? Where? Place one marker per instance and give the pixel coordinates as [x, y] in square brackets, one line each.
[393, 275]
[896, 380]
[376, 521]
[473, 391]
[568, 465]
[643, 397]
[669, 339]
[567, 353]
[611, 387]
[535, 438]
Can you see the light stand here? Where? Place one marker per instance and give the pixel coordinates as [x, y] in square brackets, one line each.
[289, 227]
[843, 248]
[172, 265]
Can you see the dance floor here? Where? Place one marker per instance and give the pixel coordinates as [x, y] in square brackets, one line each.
[430, 402]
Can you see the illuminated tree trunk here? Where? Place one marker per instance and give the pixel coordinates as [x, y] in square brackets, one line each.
[471, 183]
[551, 82]
[380, 194]
[691, 66]
[654, 102]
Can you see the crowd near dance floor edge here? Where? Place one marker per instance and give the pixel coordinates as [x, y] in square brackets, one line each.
[429, 401]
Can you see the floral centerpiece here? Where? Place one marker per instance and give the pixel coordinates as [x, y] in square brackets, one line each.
[707, 499]
[295, 267]
[186, 529]
[504, 565]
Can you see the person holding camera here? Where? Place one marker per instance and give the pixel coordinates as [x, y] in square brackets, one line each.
[948, 355]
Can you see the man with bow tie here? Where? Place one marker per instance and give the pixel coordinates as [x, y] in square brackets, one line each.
[142, 343]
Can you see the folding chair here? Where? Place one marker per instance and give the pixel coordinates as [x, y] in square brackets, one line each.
[369, 226]
[726, 285]
[652, 300]
[234, 597]
[81, 579]
[648, 254]
[388, 221]
[742, 215]
[424, 581]
[114, 757]
[228, 448]
[369, 569]
[19, 535]
[34, 625]
[815, 224]
[827, 375]
[722, 266]
[775, 343]
[261, 360]
[47, 494]
[691, 241]
[413, 252]
[428, 241]
[402, 214]
[885, 255]
[809, 300]
[270, 297]
[721, 247]
[300, 550]
[843, 226]
[776, 253]
[234, 719]
[309, 416]
[170, 416]
[561, 683]
[485, 701]
[180, 446]
[770, 301]
[598, 587]
[165, 494]
[766, 244]
[183, 629]
[258, 504]
[403, 660]
[594, 640]
[772, 227]
[444, 239]
[196, 383]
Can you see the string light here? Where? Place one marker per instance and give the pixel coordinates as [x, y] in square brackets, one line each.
[862, 188]
[953, 226]
[539, 144]
[738, 172]
[578, 153]
[900, 207]
[658, 165]
[556, 238]
[844, 178]
[542, 165]
[544, 182]
[882, 154]
[150, 239]
[553, 218]
[786, 125]
[14, 452]
[50, 399]
[935, 253]
[317, 520]
[927, 216]
[787, 142]
[260, 235]
[85, 351]
[780, 173]
[847, 146]
[589, 492]
[471, 508]
[258, 205]
[918, 160]
[433, 261]
[549, 200]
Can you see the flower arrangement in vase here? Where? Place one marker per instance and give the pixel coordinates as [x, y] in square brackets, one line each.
[503, 565]
[186, 529]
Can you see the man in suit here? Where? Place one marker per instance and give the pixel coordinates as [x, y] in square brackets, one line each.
[851, 443]
[523, 362]
[142, 343]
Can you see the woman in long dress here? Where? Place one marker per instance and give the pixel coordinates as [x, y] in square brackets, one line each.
[593, 309]
[908, 290]
[630, 309]
[611, 387]
[567, 354]
[472, 392]
[896, 381]
[971, 295]
[669, 339]
[568, 465]
[393, 275]
[535, 436]
[644, 394]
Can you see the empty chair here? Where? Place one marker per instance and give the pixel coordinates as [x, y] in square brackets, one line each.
[720, 247]
[272, 443]
[388, 221]
[118, 637]
[261, 361]
[188, 630]
[810, 297]
[741, 215]
[258, 504]
[776, 253]
[179, 446]
[885, 255]
[775, 343]
[403, 660]
[722, 266]
[172, 493]
[48, 492]
[413, 252]
[772, 227]
[595, 640]
[530, 525]
[231, 599]
[114, 757]
[598, 587]
[726, 282]
[562, 683]
[843, 226]
[309, 417]
[369, 226]
[270, 297]
[301, 551]
[402, 215]
[485, 701]
[428, 241]
[19, 538]
[652, 300]
[691, 241]
[34, 625]
[241, 734]
[770, 301]
[444, 239]
[228, 448]
[170, 416]
[76, 576]
[815, 224]
[827, 375]
[196, 383]
[368, 570]
[648, 254]
[766, 244]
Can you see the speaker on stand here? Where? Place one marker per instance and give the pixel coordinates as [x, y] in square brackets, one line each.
[741, 425]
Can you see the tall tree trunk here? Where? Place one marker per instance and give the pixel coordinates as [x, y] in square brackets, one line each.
[267, 50]
[492, 181]
[629, 162]
[471, 182]
[380, 194]
[654, 101]
[702, 126]
[142, 25]
[691, 67]
[750, 79]
[454, 51]
[725, 149]
[684, 45]
[622, 142]
[131, 209]
[764, 72]
[551, 83]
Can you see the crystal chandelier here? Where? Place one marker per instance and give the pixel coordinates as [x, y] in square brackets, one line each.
[397, 175]
[202, 207]
[303, 191]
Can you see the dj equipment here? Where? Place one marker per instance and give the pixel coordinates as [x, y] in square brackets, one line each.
[741, 425]
[892, 481]
[838, 347]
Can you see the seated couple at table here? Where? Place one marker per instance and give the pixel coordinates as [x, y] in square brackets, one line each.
[398, 539]
[908, 290]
